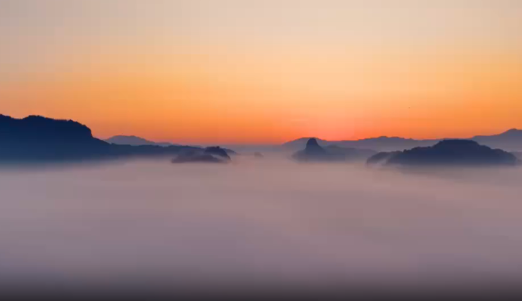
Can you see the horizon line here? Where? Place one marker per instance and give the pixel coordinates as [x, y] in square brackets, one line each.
[183, 142]
[174, 142]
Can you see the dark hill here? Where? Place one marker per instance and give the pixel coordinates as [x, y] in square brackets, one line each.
[214, 154]
[381, 158]
[314, 152]
[450, 152]
[39, 139]
[217, 151]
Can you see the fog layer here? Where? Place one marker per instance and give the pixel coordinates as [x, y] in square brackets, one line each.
[258, 222]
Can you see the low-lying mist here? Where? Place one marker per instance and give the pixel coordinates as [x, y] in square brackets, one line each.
[258, 223]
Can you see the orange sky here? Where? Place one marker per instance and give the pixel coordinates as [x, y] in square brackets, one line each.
[261, 86]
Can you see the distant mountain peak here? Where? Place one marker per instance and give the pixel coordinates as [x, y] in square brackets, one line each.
[135, 141]
[508, 140]
[217, 151]
[314, 152]
[130, 140]
[513, 131]
[212, 154]
[312, 143]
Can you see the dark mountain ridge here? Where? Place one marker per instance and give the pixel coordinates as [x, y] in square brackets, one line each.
[452, 152]
[135, 141]
[40, 139]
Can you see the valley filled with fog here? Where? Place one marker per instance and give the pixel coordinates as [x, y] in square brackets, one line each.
[258, 223]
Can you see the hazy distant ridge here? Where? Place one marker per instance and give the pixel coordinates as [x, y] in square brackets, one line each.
[510, 140]
[135, 141]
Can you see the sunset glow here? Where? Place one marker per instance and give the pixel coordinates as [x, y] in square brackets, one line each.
[265, 71]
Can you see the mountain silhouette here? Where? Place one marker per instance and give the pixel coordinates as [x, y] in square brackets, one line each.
[40, 139]
[381, 158]
[213, 154]
[137, 141]
[448, 152]
[134, 141]
[314, 152]
[510, 140]
[217, 151]
[374, 144]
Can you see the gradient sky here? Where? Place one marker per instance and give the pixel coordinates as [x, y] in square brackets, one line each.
[265, 71]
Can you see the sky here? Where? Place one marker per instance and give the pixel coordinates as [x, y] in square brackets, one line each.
[265, 71]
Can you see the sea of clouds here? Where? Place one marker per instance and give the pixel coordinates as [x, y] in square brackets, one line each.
[258, 223]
